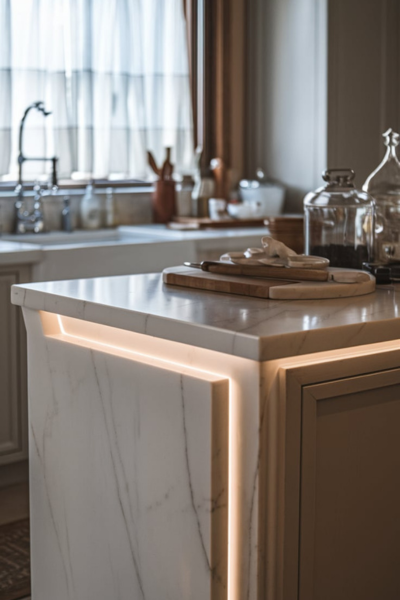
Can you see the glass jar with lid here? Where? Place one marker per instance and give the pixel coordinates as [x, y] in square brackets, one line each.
[339, 221]
[384, 185]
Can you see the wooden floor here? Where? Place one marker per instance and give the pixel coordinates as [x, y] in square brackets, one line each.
[14, 503]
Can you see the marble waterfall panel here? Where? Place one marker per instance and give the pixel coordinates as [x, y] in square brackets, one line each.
[129, 475]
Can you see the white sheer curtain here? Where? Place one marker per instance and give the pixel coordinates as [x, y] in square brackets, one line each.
[114, 73]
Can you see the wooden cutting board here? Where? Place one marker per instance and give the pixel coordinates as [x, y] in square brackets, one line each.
[265, 288]
[207, 223]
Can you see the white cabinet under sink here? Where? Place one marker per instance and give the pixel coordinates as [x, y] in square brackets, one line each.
[13, 394]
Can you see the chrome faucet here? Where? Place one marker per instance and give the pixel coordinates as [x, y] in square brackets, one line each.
[66, 217]
[30, 222]
[24, 219]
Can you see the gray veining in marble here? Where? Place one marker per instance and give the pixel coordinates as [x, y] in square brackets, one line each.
[122, 486]
[245, 327]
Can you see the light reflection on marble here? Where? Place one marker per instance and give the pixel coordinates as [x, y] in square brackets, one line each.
[246, 327]
[127, 476]
[19, 252]
[244, 377]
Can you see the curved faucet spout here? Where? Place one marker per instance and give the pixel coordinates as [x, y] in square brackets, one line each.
[39, 106]
[22, 219]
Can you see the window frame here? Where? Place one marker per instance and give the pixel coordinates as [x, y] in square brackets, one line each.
[217, 35]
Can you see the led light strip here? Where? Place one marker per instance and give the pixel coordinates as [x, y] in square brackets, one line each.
[232, 539]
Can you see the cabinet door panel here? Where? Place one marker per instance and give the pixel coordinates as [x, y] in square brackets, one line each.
[13, 426]
[350, 489]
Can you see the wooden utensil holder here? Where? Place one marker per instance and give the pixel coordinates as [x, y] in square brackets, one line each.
[164, 201]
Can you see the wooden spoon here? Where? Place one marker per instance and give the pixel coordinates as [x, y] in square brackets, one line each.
[153, 164]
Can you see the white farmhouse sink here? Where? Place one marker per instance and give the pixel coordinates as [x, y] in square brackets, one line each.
[78, 237]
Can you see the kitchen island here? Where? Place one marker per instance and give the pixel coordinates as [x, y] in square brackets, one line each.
[187, 445]
[60, 255]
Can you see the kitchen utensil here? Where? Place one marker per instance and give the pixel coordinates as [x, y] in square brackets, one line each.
[153, 164]
[212, 282]
[167, 168]
[265, 288]
[163, 198]
[290, 273]
[250, 258]
[207, 223]
[165, 173]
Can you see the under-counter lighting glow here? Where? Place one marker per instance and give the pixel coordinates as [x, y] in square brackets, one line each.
[94, 335]
[233, 510]
[120, 350]
[61, 325]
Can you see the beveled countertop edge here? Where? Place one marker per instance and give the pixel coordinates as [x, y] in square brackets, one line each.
[238, 344]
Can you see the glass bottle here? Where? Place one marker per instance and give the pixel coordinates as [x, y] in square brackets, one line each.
[339, 221]
[384, 185]
[110, 208]
[90, 209]
[184, 190]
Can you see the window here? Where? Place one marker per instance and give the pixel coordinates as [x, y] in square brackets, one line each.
[114, 74]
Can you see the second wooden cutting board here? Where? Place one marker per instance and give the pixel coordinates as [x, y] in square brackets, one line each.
[228, 284]
[264, 288]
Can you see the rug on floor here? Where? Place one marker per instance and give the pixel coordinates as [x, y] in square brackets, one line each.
[15, 577]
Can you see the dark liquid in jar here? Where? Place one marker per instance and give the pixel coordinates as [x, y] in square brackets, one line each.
[346, 257]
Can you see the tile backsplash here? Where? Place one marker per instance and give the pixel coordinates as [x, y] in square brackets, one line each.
[132, 206]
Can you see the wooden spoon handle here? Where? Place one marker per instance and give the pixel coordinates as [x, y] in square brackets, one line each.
[153, 164]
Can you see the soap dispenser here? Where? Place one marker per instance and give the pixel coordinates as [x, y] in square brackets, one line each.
[90, 209]
[384, 185]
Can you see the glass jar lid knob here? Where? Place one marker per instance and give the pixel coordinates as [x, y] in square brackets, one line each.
[340, 177]
[391, 138]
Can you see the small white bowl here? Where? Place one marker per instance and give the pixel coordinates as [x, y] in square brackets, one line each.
[240, 211]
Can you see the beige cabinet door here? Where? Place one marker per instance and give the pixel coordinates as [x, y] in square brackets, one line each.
[330, 481]
[13, 394]
[350, 489]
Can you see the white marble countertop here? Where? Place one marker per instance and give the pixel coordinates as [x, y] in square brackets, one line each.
[12, 253]
[246, 327]
[197, 234]
[32, 248]
[126, 234]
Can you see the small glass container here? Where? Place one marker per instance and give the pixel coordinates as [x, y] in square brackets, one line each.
[339, 221]
[384, 185]
[90, 209]
[184, 196]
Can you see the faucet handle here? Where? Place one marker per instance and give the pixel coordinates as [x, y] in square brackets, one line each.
[37, 188]
[37, 200]
[54, 177]
[66, 217]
